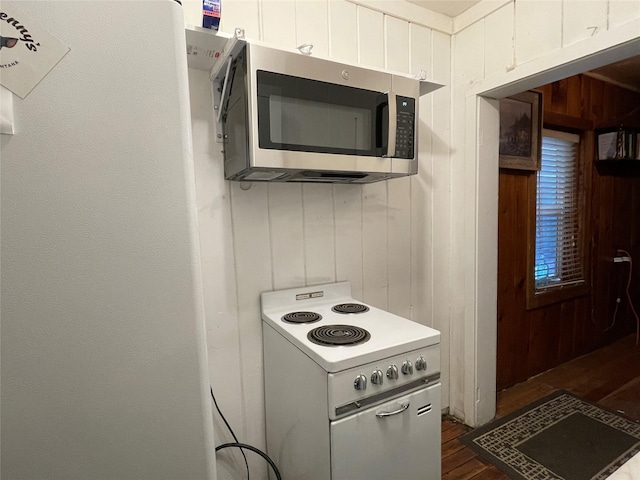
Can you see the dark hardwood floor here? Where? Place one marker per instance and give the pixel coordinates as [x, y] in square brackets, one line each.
[609, 377]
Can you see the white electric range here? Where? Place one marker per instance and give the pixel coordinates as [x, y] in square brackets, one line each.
[351, 391]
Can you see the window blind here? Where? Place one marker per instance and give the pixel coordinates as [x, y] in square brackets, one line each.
[558, 260]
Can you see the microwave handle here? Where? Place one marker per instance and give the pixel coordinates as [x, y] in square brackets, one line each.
[393, 125]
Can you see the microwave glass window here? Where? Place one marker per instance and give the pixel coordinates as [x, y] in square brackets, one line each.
[311, 116]
[298, 121]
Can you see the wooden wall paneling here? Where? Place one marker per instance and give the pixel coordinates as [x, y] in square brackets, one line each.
[558, 100]
[546, 98]
[525, 185]
[613, 212]
[610, 105]
[574, 97]
[542, 346]
[582, 317]
[507, 308]
[596, 96]
[585, 97]
[602, 292]
[567, 321]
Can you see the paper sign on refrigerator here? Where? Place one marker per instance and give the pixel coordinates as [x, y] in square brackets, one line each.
[28, 52]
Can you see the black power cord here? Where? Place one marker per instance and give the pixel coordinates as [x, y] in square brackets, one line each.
[242, 446]
[255, 450]
[246, 463]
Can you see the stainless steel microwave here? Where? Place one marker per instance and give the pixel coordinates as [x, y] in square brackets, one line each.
[290, 117]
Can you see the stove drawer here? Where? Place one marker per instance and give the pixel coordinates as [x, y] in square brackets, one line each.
[399, 439]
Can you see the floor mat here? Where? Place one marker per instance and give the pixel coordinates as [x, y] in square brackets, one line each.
[559, 437]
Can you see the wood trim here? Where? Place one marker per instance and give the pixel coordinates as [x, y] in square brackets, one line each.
[569, 123]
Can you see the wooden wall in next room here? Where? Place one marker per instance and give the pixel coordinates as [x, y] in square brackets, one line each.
[532, 341]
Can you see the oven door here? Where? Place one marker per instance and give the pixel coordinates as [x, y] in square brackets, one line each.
[399, 439]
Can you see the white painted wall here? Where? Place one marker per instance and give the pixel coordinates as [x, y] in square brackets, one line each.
[502, 48]
[381, 237]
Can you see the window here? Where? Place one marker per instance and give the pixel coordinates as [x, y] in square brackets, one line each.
[558, 264]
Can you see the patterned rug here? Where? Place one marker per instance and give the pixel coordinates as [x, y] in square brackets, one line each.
[558, 437]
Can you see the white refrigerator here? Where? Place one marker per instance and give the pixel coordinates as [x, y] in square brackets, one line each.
[103, 354]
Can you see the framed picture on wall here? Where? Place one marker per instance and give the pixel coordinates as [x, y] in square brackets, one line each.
[520, 131]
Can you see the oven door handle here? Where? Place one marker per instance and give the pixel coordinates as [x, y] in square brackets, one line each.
[402, 408]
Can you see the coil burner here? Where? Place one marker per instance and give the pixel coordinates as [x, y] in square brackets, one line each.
[301, 317]
[350, 308]
[338, 335]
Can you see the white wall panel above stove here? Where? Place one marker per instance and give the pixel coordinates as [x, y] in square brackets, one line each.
[239, 14]
[374, 245]
[399, 246]
[347, 205]
[343, 39]
[396, 53]
[278, 20]
[319, 234]
[370, 30]
[421, 51]
[312, 25]
[287, 234]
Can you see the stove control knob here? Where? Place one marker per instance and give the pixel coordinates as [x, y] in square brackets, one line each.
[377, 377]
[407, 368]
[392, 372]
[421, 363]
[360, 383]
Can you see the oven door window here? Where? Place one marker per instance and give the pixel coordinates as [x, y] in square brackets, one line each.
[312, 116]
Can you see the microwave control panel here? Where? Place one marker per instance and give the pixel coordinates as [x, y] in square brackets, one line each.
[405, 130]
